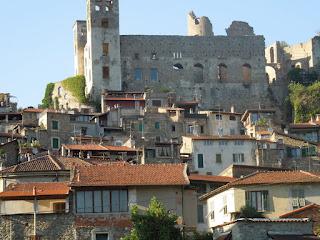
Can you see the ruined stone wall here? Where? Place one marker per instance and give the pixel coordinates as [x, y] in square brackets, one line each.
[189, 66]
[80, 40]
[199, 26]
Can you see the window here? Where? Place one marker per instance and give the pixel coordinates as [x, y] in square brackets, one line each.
[97, 8]
[105, 49]
[157, 125]
[218, 158]
[200, 214]
[154, 56]
[83, 131]
[218, 117]
[222, 72]
[238, 157]
[198, 73]
[102, 236]
[59, 207]
[136, 56]
[223, 142]
[55, 143]
[177, 66]
[138, 74]
[232, 131]
[272, 55]
[201, 129]
[55, 125]
[158, 139]
[225, 205]
[239, 142]
[102, 201]
[212, 210]
[151, 153]
[190, 129]
[232, 118]
[298, 199]
[105, 72]
[156, 103]
[246, 73]
[173, 128]
[154, 74]
[208, 142]
[104, 23]
[200, 160]
[141, 127]
[257, 200]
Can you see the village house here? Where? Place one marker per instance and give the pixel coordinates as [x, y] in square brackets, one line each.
[212, 154]
[271, 193]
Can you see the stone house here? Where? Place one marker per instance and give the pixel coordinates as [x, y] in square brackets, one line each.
[224, 123]
[11, 153]
[265, 229]
[307, 131]
[213, 154]
[272, 193]
[204, 184]
[103, 152]
[255, 120]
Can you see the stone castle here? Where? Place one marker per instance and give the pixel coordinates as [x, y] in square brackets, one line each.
[217, 71]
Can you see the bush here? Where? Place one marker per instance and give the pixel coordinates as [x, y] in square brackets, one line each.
[305, 100]
[76, 85]
[249, 212]
[47, 100]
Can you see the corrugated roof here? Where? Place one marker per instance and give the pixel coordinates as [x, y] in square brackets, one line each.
[132, 175]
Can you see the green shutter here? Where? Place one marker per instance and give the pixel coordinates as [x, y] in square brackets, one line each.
[200, 160]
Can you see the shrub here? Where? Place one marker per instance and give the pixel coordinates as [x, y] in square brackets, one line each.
[76, 85]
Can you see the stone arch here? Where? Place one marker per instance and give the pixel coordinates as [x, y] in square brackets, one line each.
[177, 66]
[271, 73]
[272, 55]
[246, 73]
[198, 73]
[222, 72]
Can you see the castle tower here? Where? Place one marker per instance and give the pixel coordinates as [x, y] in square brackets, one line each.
[199, 26]
[80, 40]
[102, 51]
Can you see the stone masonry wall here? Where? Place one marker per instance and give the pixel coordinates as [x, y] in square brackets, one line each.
[199, 57]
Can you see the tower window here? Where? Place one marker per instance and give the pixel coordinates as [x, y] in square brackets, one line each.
[105, 72]
[154, 74]
[105, 48]
[154, 56]
[104, 23]
[138, 74]
[97, 8]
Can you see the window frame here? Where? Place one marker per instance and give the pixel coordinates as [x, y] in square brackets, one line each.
[200, 166]
[52, 143]
[264, 198]
[55, 125]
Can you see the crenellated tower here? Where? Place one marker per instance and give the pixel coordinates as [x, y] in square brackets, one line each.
[102, 52]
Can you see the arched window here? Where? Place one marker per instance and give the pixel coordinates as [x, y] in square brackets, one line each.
[222, 71]
[246, 73]
[198, 73]
[272, 55]
[177, 66]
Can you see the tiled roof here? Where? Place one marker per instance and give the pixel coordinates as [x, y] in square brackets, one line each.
[268, 178]
[299, 210]
[97, 147]
[46, 164]
[42, 189]
[231, 137]
[246, 113]
[33, 110]
[303, 125]
[131, 175]
[123, 99]
[210, 178]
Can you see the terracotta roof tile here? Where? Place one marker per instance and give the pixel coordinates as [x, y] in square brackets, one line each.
[299, 210]
[124, 99]
[210, 178]
[46, 164]
[97, 147]
[131, 175]
[231, 137]
[42, 189]
[269, 178]
[303, 125]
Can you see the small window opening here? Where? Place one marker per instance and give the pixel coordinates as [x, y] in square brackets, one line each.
[177, 66]
[97, 8]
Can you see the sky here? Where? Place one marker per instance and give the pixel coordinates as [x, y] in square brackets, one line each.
[36, 40]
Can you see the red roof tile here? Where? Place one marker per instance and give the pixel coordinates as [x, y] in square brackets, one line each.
[97, 147]
[299, 210]
[269, 178]
[132, 175]
[210, 178]
[46, 164]
[231, 137]
[124, 99]
[303, 125]
[21, 190]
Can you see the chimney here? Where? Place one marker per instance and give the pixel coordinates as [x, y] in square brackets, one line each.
[232, 109]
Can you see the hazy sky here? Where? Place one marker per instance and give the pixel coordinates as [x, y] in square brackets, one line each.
[36, 36]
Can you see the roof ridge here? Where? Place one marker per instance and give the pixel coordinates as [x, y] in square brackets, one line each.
[55, 162]
[309, 173]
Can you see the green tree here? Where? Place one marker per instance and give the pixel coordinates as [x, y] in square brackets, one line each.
[47, 101]
[156, 224]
